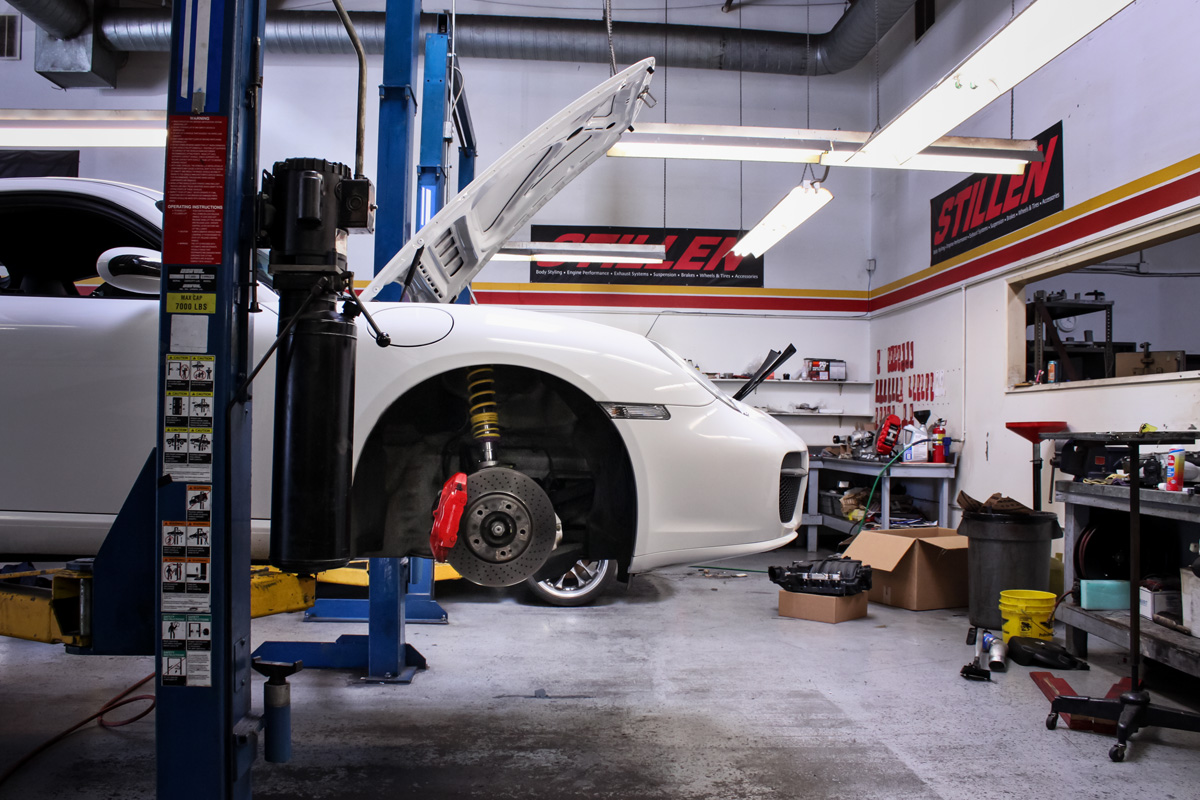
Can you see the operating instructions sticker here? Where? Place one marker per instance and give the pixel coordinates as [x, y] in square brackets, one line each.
[186, 649]
[188, 417]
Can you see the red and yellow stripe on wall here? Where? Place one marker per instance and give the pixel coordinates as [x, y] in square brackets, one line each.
[1178, 183]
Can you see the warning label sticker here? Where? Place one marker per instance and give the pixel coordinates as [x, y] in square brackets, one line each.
[174, 539]
[186, 554]
[186, 649]
[174, 668]
[194, 202]
[197, 541]
[199, 504]
[188, 409]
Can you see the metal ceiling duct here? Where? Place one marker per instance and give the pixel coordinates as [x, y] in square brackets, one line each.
[62, 19]
[572, 40]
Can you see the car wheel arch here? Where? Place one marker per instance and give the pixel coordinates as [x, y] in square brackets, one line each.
[551, 429]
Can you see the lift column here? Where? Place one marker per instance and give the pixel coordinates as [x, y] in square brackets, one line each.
[205, 738]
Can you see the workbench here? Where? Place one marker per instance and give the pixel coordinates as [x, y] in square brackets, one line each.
[813, 519]
[1156, 641]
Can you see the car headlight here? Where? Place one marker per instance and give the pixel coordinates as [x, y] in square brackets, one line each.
[700, 378]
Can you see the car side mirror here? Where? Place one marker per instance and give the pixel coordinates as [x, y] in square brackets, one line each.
[133, 269]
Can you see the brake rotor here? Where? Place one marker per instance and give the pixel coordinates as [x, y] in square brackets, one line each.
[507, 528]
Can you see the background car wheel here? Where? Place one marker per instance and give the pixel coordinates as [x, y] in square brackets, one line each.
[583, 583]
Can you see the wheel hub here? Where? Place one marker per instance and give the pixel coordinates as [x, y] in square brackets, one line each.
[507, 528]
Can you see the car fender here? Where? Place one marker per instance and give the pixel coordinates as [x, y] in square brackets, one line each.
[605, 363]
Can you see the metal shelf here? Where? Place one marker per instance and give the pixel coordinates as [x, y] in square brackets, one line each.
[814, 414]
[806, 383]
[1157, 641]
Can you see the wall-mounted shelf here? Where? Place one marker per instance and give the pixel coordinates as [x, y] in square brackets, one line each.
[814, 414]
[793, 381]
[856, 397]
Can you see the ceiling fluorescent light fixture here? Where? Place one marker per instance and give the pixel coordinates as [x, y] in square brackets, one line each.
[1032, 39]
[799, 204]
[49, 127]
[723, 143]
[825, 147]
[76, 137]
[949, 154]
[582, 253]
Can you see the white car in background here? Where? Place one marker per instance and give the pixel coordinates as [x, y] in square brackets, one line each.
[644, 462]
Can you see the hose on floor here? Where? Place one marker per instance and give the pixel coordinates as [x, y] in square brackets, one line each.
[120, 700]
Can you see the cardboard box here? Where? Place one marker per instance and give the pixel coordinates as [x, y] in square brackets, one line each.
[1151, 603]
[1190, 597]
[822, 607]
[917, 569]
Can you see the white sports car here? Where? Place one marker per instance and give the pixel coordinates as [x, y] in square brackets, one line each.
[642, 460]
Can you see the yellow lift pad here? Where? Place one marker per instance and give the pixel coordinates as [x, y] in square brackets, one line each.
[358, 574]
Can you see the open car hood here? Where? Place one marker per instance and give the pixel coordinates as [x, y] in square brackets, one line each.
[473, 226]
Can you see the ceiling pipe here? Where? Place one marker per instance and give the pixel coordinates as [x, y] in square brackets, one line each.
[62, 19]
[572, 40]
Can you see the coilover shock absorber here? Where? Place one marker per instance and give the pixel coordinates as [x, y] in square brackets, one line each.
[507, 528]
[485, 419]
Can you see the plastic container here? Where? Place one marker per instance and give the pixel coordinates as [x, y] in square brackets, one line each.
[1027, 613]
[1175, 469]
[1005, 551]
[1104, 595]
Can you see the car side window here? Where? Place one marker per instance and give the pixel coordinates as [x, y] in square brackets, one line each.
[49, 244]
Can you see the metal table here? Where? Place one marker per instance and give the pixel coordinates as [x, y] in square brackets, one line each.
[943, 473]
[1133, 709]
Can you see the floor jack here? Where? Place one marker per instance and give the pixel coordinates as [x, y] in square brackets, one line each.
[1053, 686]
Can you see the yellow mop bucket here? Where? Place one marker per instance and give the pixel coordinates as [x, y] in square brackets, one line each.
[1027, 613]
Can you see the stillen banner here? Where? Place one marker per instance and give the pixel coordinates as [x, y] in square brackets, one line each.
[695, 257]
[985, 207]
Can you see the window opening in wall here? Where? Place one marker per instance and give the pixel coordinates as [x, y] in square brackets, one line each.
[1123, 315]
[10, 36]
[924, 16]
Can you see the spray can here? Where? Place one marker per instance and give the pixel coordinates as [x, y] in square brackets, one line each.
[1174, 471]
[938, 451]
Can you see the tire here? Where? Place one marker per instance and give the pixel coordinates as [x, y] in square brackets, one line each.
[582, 584]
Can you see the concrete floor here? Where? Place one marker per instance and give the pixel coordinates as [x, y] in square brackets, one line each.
[681, 686]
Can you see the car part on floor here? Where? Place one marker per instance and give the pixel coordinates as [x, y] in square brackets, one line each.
[507, 531]
[582, 584]
[833, 576]
[1038, 652]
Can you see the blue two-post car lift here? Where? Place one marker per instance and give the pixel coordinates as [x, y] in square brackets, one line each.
[202, 605]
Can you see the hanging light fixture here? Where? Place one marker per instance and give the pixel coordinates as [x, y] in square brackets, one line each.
[800, 203]
[582, 252]
[1029, 41]
[829, 148]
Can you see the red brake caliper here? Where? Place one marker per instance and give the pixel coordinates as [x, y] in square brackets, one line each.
[446, 518]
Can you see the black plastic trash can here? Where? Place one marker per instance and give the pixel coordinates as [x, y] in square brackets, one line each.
[1006, 551]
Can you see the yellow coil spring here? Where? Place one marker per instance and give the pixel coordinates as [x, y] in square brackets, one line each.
[481, 396]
